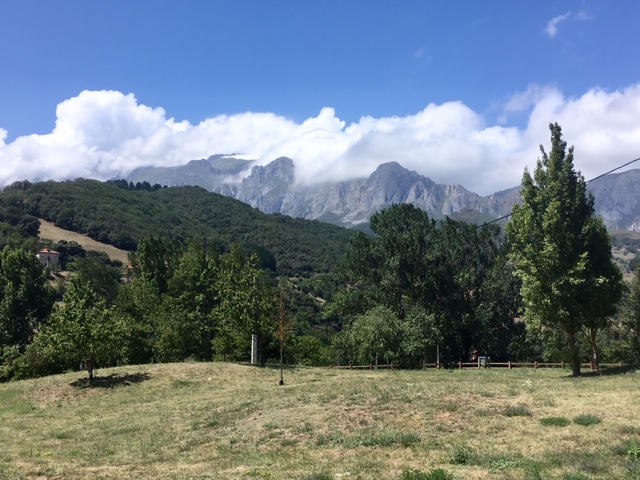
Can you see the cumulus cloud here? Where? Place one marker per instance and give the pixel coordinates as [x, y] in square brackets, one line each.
[107, 134]
[552, 26]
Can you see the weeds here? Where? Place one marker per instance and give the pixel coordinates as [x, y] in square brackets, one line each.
[516, 411]
[437, 474]
[368, 438]
[461, 455]
[586, 420]
[555, 421]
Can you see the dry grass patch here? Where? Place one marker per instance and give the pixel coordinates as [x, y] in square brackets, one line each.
[50, 232]
[217, 420]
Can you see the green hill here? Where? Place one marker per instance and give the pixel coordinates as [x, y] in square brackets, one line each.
[120, 217]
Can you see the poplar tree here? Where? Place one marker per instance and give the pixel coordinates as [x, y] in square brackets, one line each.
[561, 251]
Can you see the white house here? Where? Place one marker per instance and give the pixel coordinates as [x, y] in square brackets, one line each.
[48, 257]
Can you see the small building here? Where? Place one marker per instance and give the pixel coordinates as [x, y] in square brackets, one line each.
[48, 257]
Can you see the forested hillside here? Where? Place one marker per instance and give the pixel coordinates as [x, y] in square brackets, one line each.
[113, 213]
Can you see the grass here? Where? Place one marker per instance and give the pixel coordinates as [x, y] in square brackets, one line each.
[587, 419]
[217, 420]
[555, 421]
[49, 231]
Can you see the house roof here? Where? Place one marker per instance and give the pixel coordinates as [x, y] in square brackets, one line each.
[48, 251]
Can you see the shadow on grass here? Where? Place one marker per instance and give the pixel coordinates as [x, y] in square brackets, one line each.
[111, 381]
[612, 371]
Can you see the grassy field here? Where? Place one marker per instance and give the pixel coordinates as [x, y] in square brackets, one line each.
[49, 231]
[218, 420]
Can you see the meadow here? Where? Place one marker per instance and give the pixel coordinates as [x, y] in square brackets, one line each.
[230, 421]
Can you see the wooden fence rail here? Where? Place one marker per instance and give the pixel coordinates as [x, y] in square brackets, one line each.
[478, 365]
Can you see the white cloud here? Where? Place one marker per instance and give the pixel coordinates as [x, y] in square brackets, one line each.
[552, 27]
[106, 134]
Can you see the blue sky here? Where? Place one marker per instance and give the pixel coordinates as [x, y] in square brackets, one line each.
[404, 81]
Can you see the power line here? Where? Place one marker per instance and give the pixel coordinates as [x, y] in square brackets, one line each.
[588, 181]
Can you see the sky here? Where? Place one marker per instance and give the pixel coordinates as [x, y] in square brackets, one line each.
[460, 91]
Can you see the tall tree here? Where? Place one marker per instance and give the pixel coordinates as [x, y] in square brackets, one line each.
[446, 281]
[194, 289]
[629, 327]
[25, 298]
[603, 286]
[246, 304]
[556, 246]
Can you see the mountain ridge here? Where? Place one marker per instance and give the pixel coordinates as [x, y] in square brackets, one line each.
[272, 188]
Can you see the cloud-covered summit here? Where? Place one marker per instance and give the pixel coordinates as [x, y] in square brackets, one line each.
[106, 134]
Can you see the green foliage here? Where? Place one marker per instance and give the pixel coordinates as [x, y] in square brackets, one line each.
[25, 298]
[561, 250]
[83, 331]
[586, 419]
[309, 350]
[633, 451]
[461, 455]
[555, 421]
[448, 285]
[121, 217]
[247, 303]
[627, 329]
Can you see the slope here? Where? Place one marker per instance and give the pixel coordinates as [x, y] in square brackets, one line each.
[50, 232]
[121, 217]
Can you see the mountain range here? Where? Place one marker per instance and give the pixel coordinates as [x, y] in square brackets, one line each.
[273, 189]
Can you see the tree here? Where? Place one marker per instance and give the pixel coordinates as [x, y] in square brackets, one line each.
[377, 334]
[83, 331]
[447, 282]
[194, 289]
[246, 304]
[25, 298]
[558, 247]
[629, 327]
[603, 286]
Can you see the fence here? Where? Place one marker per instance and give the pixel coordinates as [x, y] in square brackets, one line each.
[479, 365]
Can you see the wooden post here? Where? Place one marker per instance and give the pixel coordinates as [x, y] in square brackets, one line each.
[460, 365]
[536, 365]
[562, 364]
[510, 367]
[371, 366]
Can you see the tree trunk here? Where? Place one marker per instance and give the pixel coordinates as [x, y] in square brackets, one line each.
[574, 350]
[595, 362]
[281, 373]
[89, 365]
